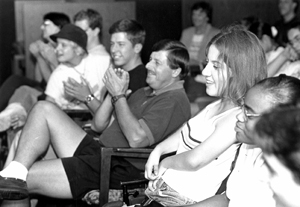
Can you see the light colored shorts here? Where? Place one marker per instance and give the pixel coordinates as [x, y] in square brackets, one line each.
[167, 196]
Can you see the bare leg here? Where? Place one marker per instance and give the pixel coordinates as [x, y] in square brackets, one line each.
[16, 203]
[47, 125]
[48, 178]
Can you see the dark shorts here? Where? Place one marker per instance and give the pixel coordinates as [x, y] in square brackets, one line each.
[83, 169]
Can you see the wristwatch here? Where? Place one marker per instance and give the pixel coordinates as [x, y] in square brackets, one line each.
[114, 99]
[89, 98]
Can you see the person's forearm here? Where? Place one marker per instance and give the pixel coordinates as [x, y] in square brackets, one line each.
[45, 69]
[274, 66]
[103, 115]
[94, 105]
[130, 125]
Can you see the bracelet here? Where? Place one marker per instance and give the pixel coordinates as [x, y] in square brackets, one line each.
[89, 98]
[114, 99]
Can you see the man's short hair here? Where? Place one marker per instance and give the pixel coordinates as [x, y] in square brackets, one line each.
[59, 19]
[205, 6]
[93, 17]
[178, 56]
[134, 30]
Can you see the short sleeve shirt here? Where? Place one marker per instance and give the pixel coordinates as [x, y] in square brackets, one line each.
[159, 114]
[92, 68]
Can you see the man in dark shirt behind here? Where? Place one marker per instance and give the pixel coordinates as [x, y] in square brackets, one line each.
[288, 11]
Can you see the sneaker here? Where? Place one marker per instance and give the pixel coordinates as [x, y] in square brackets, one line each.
[13, 189]
[4, 123]
[12, 110]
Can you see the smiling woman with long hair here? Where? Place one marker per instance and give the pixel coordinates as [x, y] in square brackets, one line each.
[205, 146]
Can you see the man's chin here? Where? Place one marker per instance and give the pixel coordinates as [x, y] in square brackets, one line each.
[118, 63]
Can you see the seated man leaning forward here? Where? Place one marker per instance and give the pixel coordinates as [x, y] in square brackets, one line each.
[153, 112]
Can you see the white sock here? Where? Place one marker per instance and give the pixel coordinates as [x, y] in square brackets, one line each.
[15, 170]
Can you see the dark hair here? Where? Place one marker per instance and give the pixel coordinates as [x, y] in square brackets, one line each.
[295, 25]
[59, 19]
[93, 17]
[281, 89]
[278, 133]
[244, 56]
[178, 56]
[134, 30]
[260, 28]
[205, 6]
[248, 21]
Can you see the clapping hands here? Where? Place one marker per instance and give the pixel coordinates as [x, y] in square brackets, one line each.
[116, 81]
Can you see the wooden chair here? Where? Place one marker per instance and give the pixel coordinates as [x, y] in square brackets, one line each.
[106, 155]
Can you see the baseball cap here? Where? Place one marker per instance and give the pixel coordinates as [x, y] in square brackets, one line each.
[72, 33]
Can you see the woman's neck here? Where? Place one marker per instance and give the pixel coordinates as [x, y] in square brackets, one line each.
[225, 105]
[201, 29]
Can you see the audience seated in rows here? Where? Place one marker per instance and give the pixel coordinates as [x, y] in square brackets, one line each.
[76, 65]
[43, 51]
[15, 114]
[288, 62]
[153, 112]
[124, 32]
[206, 145]
[248, 183]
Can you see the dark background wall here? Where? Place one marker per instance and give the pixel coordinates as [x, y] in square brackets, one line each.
[161, 18]
[7, 36]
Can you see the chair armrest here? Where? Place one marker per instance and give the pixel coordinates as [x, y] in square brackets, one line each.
[133, 150]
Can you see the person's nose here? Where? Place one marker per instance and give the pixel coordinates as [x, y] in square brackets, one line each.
[241, 116]
[58, 48]
[113, 48]
[206, 70]
[148, 65]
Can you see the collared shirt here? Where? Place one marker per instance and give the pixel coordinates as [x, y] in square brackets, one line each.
[159, 114]
[177, 85]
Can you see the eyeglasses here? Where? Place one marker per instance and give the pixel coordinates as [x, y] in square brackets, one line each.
[247, 114]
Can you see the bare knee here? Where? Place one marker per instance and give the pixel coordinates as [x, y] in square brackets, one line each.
[45, 107]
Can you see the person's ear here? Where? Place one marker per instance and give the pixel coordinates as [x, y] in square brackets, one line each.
[138, 48]
[176, 72]
[96, 31]
[78, 51]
